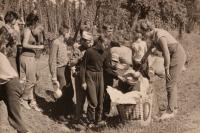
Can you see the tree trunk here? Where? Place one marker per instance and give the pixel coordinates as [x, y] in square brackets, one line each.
[135, 19]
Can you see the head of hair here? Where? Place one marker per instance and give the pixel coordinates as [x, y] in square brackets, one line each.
[138, 36]
[31, 19]
[144, 25]
[63, 28]
[10, 16]
[107, 27]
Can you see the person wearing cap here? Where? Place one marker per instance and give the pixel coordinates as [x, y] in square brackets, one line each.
[174, 60]
[86, 42]
[59, 70]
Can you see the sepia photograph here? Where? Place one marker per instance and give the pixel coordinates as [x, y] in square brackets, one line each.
[108, 66]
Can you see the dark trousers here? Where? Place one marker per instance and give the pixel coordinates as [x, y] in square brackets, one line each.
[10, 93]
[64, 105]
[80, 97]
[95, 95]
[108, 81]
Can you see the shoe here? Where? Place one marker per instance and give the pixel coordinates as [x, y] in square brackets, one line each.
[62, 119]
[34, 106]
[79, 126]
[101, 123]
[25, 104]
[25, 132]
[91, 125]
[167, 116]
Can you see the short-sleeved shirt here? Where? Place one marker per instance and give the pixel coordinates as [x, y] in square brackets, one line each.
[171, 41]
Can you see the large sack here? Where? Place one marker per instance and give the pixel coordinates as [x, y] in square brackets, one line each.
[7, 72]
[156, 63]
[125, 54]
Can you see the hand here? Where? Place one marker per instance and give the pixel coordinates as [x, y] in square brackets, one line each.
[121, 78]
[84, 86]
[120, 66]
[168, 76]
[56, 84]
[73, 62]
[40, 46]
[54, 79]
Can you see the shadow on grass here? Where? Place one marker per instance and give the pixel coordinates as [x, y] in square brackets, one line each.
[64, 106]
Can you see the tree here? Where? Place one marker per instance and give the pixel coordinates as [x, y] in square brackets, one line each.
[167, 10]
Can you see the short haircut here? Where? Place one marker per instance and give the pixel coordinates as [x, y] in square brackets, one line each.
[63, 28]
[10, 16]
[138, 36]
[144, 25]
[107, 27]
[31, 19]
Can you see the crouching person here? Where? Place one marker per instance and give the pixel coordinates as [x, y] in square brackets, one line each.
[10, 92]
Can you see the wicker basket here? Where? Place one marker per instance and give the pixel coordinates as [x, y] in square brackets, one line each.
[140, 111]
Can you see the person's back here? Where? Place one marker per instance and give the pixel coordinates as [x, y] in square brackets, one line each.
[125, 54]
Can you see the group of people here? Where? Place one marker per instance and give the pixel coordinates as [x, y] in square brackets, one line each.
[87, 66]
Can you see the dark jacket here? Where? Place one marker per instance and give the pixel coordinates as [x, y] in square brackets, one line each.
[96, 59]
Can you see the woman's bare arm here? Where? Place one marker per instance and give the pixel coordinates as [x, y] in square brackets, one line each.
[27, 34]
[163, 44]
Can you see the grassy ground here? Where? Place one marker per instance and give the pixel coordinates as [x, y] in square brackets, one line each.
[187, 120]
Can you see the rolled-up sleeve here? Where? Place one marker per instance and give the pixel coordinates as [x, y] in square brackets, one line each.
[53, 60]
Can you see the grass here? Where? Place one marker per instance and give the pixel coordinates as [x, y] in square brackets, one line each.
[187, 120]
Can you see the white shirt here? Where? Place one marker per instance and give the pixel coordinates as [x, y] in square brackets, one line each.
[7, 72]
[140, 48]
